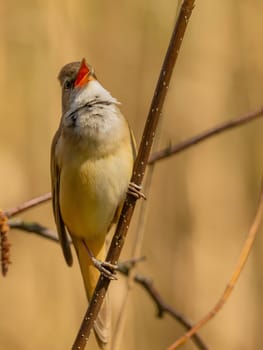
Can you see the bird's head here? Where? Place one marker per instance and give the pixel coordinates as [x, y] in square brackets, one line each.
[73, 78]
[86, 104]
[80, 85]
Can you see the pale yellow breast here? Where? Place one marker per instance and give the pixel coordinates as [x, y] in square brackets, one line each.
[92, 189]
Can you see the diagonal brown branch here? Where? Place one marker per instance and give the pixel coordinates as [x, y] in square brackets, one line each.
[28, 204]
[33, 227]
[163, 307]
[139, 170]
[233, 280]
[182, 146]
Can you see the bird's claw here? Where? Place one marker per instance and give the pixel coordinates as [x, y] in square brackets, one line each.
[135, 191]
[106, 268]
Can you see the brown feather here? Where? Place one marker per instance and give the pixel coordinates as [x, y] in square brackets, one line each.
[55, 177]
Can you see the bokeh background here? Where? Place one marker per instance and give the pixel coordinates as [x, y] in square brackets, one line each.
[201, 202]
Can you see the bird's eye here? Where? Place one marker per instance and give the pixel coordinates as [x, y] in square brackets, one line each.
[68, 84]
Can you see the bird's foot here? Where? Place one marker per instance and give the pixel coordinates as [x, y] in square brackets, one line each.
[135, 191]
[107, 269]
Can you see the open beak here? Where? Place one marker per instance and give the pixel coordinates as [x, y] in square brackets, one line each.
[83, 75]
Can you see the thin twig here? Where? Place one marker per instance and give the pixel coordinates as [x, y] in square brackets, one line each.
[33, 227]
[138, 173]
[182, 146]
[28, 204]
[163, 307]
[233, 280]
[126, 267]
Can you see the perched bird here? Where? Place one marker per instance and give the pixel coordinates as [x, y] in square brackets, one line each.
[92, 158]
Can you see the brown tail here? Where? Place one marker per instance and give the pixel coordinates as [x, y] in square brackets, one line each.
[90, 277]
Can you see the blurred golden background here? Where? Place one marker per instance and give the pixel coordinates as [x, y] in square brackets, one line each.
[201, 202]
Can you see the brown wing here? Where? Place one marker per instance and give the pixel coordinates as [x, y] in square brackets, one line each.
[133, 144]
[55, 179]
[134, 153]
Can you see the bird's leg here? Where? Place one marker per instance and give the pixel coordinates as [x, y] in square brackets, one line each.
[135, 191]
[106, 268]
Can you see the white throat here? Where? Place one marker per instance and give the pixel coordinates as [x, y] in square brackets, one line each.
[93, 118]
[93, 90]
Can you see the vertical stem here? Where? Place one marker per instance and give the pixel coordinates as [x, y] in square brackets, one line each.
[139, 170]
